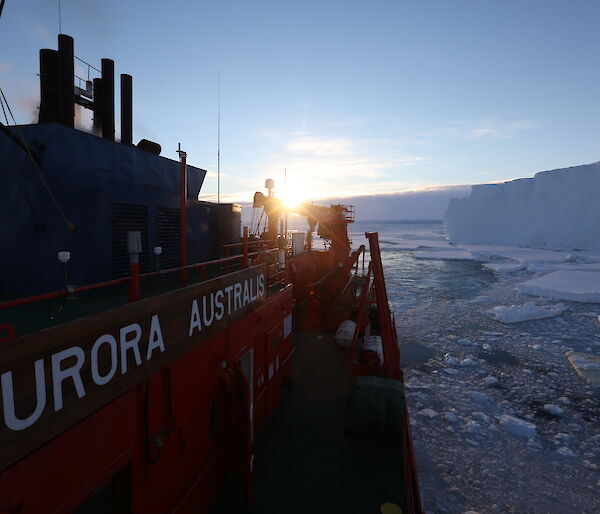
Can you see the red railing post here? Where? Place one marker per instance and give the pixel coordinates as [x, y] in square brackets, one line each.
[390, 347]
[183, 215]
[10, 332]
[245, 249]
[134, 281]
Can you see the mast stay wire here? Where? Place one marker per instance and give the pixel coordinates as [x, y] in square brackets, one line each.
[70, 225]
[23, 187]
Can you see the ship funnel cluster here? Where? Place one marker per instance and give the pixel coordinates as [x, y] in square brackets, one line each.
[58, 93]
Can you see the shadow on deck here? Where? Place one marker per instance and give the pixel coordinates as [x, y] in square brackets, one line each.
[304, 462]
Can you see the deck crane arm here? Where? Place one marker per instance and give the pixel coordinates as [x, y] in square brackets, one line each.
[332, 221]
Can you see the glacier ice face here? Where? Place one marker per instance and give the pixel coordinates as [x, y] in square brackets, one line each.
[554, 209]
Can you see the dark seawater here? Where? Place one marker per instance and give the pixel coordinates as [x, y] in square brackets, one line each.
[411, 281]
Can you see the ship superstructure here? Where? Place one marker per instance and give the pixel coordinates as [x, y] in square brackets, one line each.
[155, 358]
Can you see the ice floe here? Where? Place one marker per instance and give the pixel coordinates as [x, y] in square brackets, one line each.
[576, 286]
[525, 312]
[448, 255]
[518, 427]
[555, 410]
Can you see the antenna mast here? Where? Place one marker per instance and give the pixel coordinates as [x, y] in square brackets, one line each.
[219, 145]
[285, 229]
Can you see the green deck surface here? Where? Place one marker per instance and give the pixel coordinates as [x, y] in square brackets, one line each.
[304, 462]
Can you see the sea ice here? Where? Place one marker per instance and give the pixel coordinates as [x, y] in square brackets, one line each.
[566, 452]
[518, 427]
[453, 361]
[415, 383]
[451, 417]
[576, 286]
[429, 413]
[553, 409]
[490, 381]
[481, 398]
[447, 255]
[480, 416]
[525, 312]
[504, 267]
[450, 371]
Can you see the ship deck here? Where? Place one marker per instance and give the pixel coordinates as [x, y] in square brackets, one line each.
[303, 460]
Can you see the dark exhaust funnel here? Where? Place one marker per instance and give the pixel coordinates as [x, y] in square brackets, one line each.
[97, 106]
[48, 86]
[66, 79]
[126, 110]
[108, 99]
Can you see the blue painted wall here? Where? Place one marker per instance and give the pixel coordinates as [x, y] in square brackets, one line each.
[87, 174]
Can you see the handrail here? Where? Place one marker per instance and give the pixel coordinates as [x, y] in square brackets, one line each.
[363, 300]
[88, 287]
[390, 347]
[239, 245]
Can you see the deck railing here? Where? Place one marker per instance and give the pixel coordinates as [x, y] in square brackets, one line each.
[89, 287]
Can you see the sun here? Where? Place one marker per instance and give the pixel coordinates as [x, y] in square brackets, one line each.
[293, 197]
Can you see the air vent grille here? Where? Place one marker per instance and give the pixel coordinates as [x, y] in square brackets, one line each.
[169, 228]
[128, 217]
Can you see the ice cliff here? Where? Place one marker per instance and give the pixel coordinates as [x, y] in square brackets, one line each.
[554, 209]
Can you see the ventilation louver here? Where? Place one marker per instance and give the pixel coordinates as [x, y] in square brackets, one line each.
[128, 217]
[168, 237]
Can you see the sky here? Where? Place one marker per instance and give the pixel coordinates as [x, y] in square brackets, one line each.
[352, 98]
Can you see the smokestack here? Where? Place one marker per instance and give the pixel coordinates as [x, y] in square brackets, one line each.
[108, 99]
[97, 124]
[48, 86]
[66, 79]
[126, 109]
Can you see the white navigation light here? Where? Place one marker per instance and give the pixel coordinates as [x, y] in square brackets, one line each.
[157, 250]
[64, 257]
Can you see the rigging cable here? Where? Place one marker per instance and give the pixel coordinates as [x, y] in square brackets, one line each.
[23, 187]
[70, 225]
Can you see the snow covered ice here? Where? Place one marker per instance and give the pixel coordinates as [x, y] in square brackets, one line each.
[503, 421]
[577, 286]
[525, 312]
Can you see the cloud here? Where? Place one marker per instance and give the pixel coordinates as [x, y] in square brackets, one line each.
[212, 175]
[492, 130]
[43, 34]
[500, 130]
[237, 197]
[327, 162]
[377, 157]
[321, 146]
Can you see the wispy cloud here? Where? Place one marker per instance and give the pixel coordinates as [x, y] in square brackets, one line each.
[364, 157]
[491, 130]
[500, 130]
